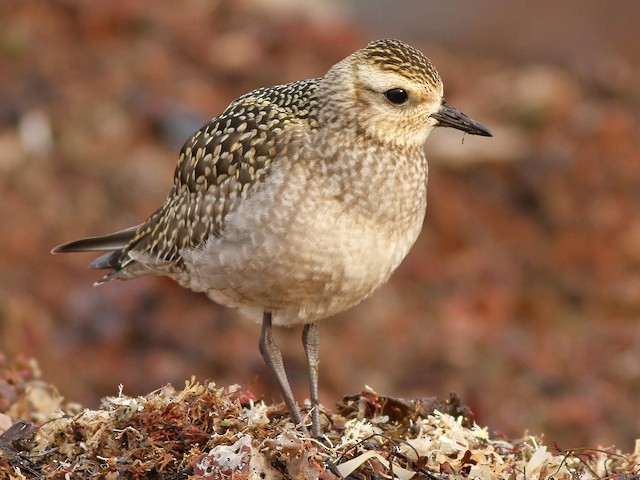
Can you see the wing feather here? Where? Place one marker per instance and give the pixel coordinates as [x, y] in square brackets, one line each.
[219, 165]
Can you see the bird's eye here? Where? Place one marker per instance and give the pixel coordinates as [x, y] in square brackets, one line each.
[397, 96]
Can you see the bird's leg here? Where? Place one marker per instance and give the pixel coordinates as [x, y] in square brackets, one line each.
[273, 358]
[311, 342]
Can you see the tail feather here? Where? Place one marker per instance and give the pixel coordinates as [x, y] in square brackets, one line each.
[105, 243]
[113, 243]
[120, 256]
[111, 260]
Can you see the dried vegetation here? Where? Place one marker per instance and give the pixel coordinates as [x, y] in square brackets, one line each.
[204, 431]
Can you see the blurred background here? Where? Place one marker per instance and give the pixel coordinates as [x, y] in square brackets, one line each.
[521, 294]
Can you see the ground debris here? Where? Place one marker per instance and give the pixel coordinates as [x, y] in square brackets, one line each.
[204, 431]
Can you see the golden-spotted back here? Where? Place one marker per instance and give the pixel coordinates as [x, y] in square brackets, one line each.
[218, 167]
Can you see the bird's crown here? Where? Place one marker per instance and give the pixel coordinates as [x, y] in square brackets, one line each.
[394, 56]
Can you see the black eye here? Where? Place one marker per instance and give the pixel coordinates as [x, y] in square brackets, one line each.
[397, 96]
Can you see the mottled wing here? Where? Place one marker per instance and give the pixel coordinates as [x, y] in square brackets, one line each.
[220, 165]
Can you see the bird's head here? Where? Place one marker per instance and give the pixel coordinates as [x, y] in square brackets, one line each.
[391, 93]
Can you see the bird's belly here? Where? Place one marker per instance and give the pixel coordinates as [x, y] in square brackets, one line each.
[300, 271]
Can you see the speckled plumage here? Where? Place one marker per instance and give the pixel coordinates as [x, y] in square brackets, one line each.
[299, 200]
[220, 165]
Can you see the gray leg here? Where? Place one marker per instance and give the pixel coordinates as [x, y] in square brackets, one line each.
[311, 342]
[273, 358]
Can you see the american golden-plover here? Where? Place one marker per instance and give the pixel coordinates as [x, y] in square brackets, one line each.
[299, 200]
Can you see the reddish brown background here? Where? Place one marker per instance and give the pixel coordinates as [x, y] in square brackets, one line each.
[521, 294]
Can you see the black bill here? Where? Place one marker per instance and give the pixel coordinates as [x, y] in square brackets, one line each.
[450, 117]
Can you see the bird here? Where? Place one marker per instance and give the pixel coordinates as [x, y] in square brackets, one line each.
[298, 201]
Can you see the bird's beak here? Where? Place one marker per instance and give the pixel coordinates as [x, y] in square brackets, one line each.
[450, 117]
